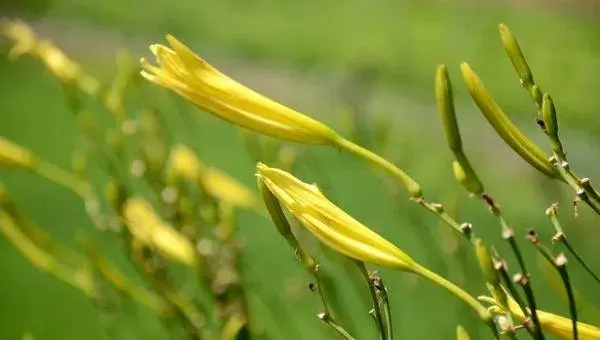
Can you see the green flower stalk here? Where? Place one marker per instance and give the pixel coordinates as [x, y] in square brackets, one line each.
[15, 156]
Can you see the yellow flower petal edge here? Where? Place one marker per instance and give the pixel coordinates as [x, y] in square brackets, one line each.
[330, 224]
[183, 72]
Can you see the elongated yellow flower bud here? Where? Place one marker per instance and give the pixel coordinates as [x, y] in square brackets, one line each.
[504, 127]
[16, 156]
[184, 163]
[491, 275]
[463, 171]
[330, 224]
[182, 71]
[149, 229]
[445, 104]
[516, 56]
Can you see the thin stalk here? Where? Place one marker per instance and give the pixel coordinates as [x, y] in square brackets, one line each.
[63, 178]
[575, 254]
[561, 265]
[524, 282]
[43, 261]
[383, 300]
[376, 306]
[562, 238]
[283, 226]
[327, 319]
[573, 181]
[410, 184]
[472, 302]
[501, 268]
[586, 184]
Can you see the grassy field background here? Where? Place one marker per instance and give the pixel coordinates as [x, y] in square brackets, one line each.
[303, 53]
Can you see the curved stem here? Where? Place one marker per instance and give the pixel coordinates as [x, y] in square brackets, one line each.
[410, 184]
[483, 313]
[63, 178]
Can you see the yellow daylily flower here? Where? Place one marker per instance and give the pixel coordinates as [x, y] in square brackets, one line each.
[150, 230]
[182, 71]
[330, 224]
[558, 325]
[217, 183]
[14, 155]
[341, 232]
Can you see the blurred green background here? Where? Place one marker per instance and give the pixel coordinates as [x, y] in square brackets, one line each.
[374, 60]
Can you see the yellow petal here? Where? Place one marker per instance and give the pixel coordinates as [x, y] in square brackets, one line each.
[329, 223]
[188, 75]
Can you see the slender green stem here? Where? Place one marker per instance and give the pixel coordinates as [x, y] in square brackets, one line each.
[383, 300]
[284, 228]
[501, 268]
[409, 184]
[510, 237]
[472, 302]
[579, 259]
[335, 326]
[561, 265]
[562, 238]
[573, 181]
[523, 280]
[586, 184]
[44, 261]
[376, 306]
[63, 178]
[118, 280]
